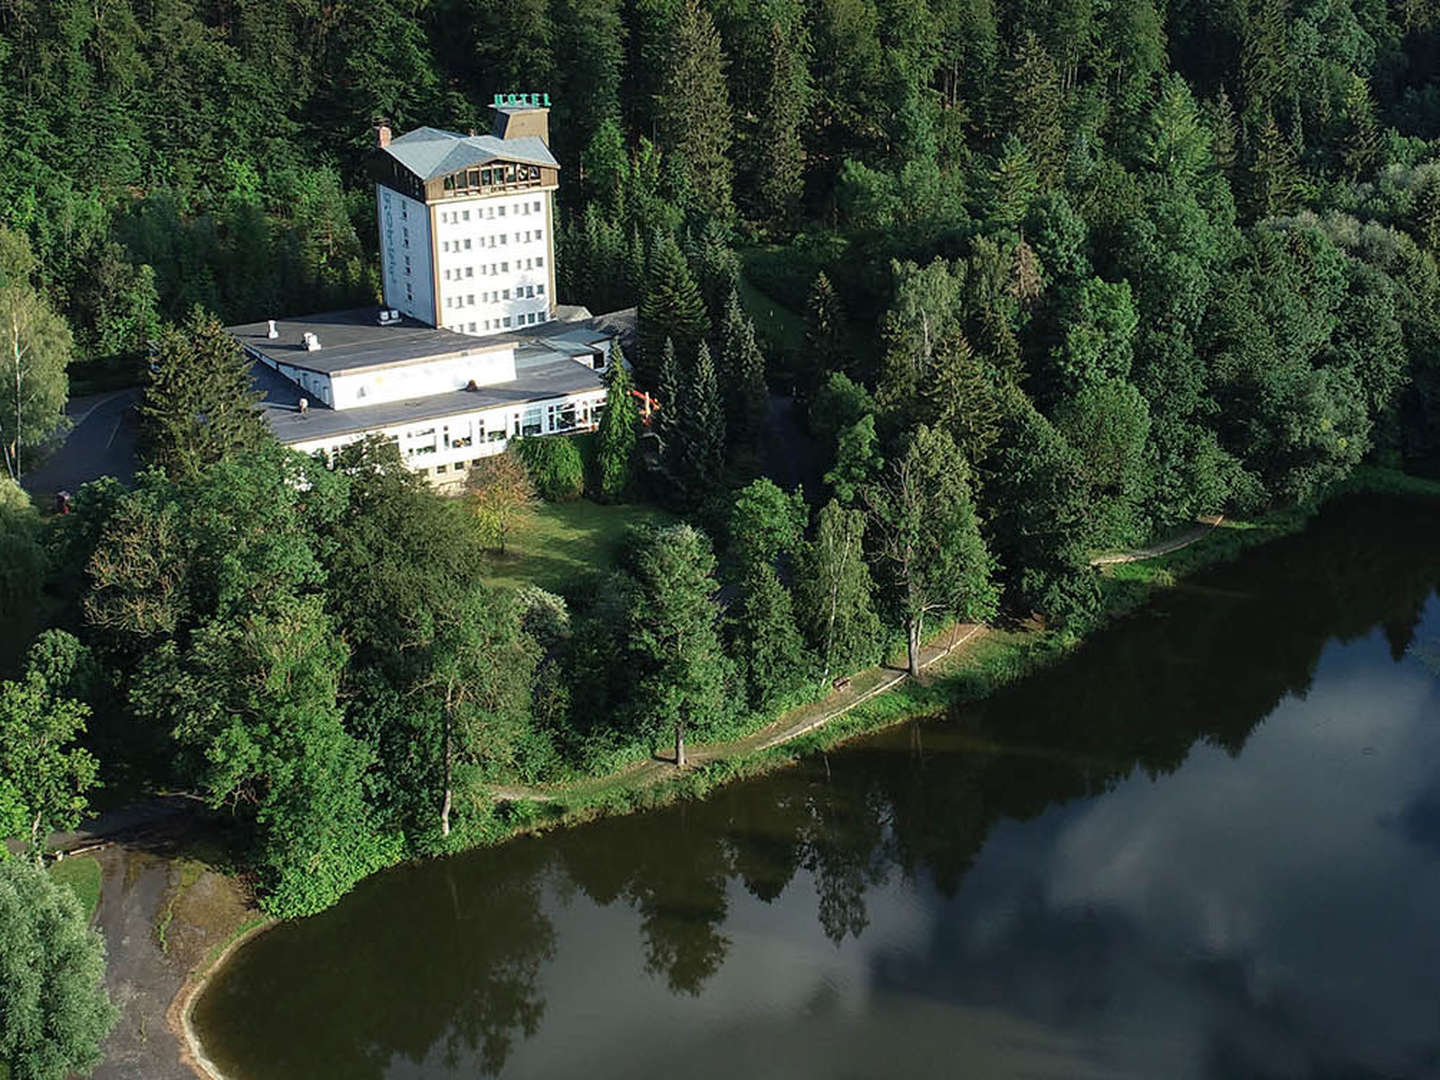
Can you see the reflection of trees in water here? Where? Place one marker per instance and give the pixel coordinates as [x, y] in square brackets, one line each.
[439, 957]
[1208, 663]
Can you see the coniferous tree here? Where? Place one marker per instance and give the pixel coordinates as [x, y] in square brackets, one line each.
[1012, 183]
[764, 639]
[680, 671]
[1220, 114]
[960, 398]
[1033, 109]
[701, 427]
[618, 432]
[199, 405]
[667, 424]
[693, 110]
[825, 336]
[742, 371]
[1361, 145]
[777, 153]
[1273, 174]
[672, 308]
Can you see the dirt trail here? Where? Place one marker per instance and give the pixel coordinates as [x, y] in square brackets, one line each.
[794, 724]
[1164, 547]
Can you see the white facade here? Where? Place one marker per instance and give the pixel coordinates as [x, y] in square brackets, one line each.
[444, 449]
[495, 259]
[407, 269]
[423, 378]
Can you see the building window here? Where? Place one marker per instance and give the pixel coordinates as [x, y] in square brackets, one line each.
[502, 211]
[467, 243]
[529, 290]
[440, 469]
[466, 215]
[472, 328]
[537, 206]
[540, 290]
[540, 261]
[469, 271]
[507, 320]
[504, 267]
[505, 294]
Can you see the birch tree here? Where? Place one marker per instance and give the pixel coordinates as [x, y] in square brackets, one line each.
[37, 346]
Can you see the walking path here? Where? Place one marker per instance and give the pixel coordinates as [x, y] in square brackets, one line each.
[1164, 547]
[794, 724]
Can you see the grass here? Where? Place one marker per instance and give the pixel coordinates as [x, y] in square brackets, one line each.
[774, 322]
[82, 874]
[564, 542]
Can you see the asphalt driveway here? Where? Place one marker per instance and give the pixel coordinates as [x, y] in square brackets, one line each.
[102, 443]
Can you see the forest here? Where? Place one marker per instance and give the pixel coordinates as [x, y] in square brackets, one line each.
[1057, 277]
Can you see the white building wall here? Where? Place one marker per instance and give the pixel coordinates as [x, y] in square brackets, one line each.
[407, 272]
[494, 365]
[495, 256]
[444, 449]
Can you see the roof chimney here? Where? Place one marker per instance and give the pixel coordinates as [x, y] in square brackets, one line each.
[382, 135]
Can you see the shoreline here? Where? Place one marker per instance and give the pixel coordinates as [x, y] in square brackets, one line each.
[983, 661]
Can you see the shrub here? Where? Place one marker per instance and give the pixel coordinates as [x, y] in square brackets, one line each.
[555, 466]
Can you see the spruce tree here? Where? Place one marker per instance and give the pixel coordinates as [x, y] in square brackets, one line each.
[960, 398]
[777, 152]
[701, 427]
[1012, 184]
[1034, 106]
[693, 109]
[1361, 146]
[617, 434]
[199, 405]
[672, 308]
[742, 376]
[681, 672]
[669, 408]
[764, 639]
[1273, 174]
[825, 336]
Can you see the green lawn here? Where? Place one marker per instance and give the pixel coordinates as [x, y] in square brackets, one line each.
[773, 320]
[81, 873]
[563, 541]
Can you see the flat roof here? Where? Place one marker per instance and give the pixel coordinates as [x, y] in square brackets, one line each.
[539, 380]
[354, 340]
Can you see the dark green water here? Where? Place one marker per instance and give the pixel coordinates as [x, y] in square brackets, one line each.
[1206, 846]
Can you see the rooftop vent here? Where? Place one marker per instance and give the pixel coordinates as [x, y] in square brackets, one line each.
[388, 316]
[310, 341]
[272, 333]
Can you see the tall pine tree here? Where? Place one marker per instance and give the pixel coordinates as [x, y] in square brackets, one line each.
[693, 114]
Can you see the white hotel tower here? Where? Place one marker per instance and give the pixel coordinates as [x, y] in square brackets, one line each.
[467, 222]
[469, 349]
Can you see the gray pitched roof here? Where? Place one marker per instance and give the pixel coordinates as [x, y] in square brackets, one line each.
[430, 152]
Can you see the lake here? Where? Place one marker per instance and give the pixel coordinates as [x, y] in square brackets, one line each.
[1205, 845]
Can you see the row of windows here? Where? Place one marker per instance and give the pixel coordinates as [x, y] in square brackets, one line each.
[494, 295]
[496, 175]
[503, 239]
[505, 323]
[455, 273]
[451, 217]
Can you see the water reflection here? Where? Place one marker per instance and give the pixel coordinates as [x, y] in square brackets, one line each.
[1114, 869]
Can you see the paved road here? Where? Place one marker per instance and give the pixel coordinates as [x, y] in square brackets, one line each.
[102, 443]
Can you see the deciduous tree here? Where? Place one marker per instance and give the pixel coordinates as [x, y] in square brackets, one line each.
[52, 972]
